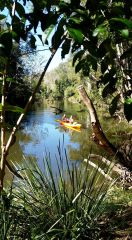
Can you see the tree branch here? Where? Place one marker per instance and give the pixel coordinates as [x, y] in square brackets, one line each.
[3, 141]
[32, 96]
[28, 104]
[98, 134]
[13, 171]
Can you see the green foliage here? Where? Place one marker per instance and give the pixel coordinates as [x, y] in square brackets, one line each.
[113, 105]
[11, 108]
[66, 204]
[18, 85]
[128, 109]
[70, 91]
[65, 47]
[60, 86]
[118, 199]
[104, 39]
[76, 34]
[126, 22]
[5, 208]
[14, 220]
[46, 91]
[63, 81]
[98, 34]
[62, 205]
[6, 42]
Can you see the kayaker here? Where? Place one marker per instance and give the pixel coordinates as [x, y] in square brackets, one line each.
[71, 120]
[64, 118]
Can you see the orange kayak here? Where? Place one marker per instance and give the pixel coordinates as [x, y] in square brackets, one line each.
[70, 125]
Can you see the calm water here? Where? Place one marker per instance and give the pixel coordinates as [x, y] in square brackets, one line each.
[41, 134]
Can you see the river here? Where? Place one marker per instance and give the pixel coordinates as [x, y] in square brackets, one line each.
[40, 135]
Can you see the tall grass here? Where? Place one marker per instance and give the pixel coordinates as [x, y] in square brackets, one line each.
[5, 220]
[14, 220]
[63, 205]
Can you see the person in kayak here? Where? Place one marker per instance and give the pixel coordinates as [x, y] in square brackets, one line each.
[68, 120]
[71, 120]
[64, 118]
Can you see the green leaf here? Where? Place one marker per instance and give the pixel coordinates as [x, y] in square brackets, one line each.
[108, 77]
[92, 62]
[104, 47]
[104, 65]
[10, 80]
[98, 30]
[128, 101]
[20, 9]
[124, 33]
[78, 67]
[77, 56]
[6, 41]
[113, 105]
[108, 90]
[44, 37]
[125, 21]
[56, 39]
[85, 69]
[14, 108]
[65, 47]
[49, 30]
[11, 108]
[14, 34]
[32, 42]
[75, 20]
[128, 109]
[76, 34]
[2, 16]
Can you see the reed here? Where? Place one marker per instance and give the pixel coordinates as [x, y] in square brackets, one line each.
[65, 204]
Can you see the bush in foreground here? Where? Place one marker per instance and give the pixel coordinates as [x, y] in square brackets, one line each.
[47, 205]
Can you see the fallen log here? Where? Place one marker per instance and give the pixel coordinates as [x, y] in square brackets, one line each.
[112, 165]
[125, 176]
[99, 169]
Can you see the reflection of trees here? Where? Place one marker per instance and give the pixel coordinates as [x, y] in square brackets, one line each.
[17, 156]
[17, 150]
[16, 153]
[33, 132]
[35, 135]
[85, 145]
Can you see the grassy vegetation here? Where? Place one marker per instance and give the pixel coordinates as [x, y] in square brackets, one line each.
[49, 205]
[117, 220]
[71, 203]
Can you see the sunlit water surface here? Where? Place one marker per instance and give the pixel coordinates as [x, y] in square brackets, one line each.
[41, 135]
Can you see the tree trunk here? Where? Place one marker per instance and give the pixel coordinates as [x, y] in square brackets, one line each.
[98, 134]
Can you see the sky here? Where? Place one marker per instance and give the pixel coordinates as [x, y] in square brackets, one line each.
[42, 51]
[46, 54]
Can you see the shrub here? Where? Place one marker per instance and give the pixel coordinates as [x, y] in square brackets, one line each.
[62, 205]
[70, 91]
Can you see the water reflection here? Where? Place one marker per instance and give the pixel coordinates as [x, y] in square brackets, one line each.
[45, 134]
[41, 133]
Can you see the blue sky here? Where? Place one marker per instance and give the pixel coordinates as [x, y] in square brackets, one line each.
[46, 53]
